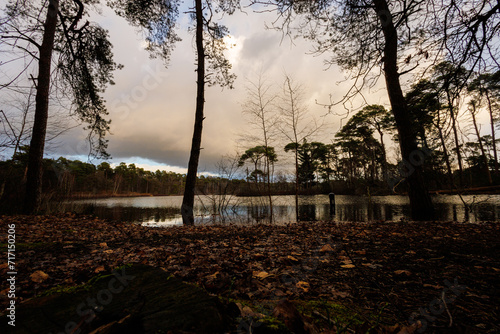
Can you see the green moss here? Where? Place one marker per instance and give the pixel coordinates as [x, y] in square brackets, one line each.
[27, 246]
[337, 314]
[274, 324]
[63, 289]
[84, 286]
[243, 302]
[340, 316]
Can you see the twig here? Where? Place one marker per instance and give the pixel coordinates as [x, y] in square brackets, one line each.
[447, 310]
[319, 314]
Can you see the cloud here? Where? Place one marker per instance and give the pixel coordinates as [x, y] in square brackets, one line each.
[152, 107]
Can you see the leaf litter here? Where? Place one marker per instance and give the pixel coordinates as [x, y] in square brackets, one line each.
[381, 272]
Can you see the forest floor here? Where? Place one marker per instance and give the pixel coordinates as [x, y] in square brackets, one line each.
[403, 277]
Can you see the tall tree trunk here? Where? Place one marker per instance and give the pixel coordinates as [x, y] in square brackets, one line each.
[451, 107]
[266, 157]
[481, 147]
[420, 200]
[296, 181]
[493, 137]
[445, 151]
[384, 155]
[188, 199]
[446, 158]
[269, 195]
[34, 175]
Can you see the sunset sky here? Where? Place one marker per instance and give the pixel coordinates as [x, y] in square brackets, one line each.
[152, 107]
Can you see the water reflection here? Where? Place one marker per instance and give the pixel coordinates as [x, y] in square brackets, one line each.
[164, 211]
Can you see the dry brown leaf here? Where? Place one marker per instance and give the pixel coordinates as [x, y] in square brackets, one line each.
[261, 274]
[246, 311]
[348, 266]
[213, 276]
[99, 269]
[401, 272]
[303, 285]
[39, 276]
[326, 248]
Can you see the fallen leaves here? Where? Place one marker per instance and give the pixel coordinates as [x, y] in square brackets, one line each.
[353, 263]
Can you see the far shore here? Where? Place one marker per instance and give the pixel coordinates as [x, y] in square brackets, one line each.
[489, 190]
[109, 195]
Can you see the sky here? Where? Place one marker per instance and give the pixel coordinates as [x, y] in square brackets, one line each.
[152, 107]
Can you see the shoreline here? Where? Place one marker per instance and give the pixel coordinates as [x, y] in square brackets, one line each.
[494, 190]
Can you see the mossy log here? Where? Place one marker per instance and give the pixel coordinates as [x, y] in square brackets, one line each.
[135, 299]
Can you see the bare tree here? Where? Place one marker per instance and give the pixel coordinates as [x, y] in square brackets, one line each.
[296, 124]
[15, 127]
[223, 197]
[260, 111]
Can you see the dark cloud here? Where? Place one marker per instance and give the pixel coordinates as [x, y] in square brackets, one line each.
[150, 149]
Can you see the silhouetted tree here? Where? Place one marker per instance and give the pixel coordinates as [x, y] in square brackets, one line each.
[53, 31]
[487, 87]
[158, 19]
[399, 35]
[473, 111]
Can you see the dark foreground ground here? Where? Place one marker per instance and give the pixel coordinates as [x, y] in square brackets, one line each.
[333, 277]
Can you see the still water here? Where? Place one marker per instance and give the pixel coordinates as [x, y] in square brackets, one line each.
[164, 211]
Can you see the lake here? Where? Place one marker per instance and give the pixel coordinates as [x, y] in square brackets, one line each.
[163, 211]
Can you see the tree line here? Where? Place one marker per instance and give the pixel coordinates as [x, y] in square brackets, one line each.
[460, 151]
[73, 179]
